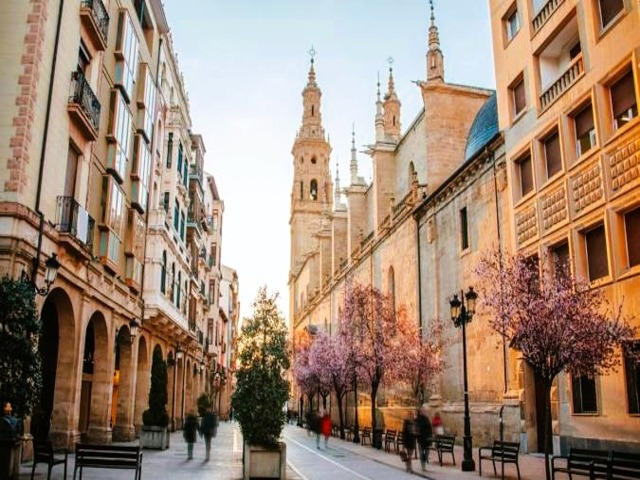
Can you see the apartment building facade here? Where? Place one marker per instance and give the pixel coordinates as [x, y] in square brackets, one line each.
[92, 101]
[567, 74]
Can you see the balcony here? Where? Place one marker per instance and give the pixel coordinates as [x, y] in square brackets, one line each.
[563, 83]
[545, 13]
[75, 223]
[95, 19]
[84, 107]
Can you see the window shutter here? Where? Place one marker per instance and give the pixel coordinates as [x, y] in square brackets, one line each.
[526, 174]
[597, 253]
[632, 227]
[552, 154]
[609, 9]
[584, 121]
[623, 95]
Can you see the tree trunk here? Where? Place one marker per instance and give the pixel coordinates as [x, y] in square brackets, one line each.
[374, 395]
[340, 415]
[547, 428]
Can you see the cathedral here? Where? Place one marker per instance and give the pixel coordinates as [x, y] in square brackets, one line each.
[476, 170]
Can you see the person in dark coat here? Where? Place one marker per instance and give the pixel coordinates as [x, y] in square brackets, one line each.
[425, 434]
[208, 430]
[409, 433]
[190, 431]
[9, 430]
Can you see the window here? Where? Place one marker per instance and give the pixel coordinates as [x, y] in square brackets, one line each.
[214, 221]
[583, 390]
[146, 101]
[140, 172]
[301, 190]
[392, 288]
[180, 153]
[183, 216]
[176, 216]
[179, 289]
[169, 150]
[112, 203]
[632, 376]
[127, 46]
[575, 50]
[552, 154]
[118, 136]
[163, 273]
[519, 97]
[526, 174]
[585, 130]
[313, 191]
[560, 259]
[632, 232]
[512, 24]
[597, 253]
[609, 10]
[165, 201]
[464, 229]
[623, 100]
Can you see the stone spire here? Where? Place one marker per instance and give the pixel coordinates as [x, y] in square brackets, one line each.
[379, 123]
[353, 166]
[391, 109]
[311, 95]
[435, 59]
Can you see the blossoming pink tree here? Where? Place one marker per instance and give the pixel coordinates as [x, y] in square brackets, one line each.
[319, 357]
[328, 355]
[369, 325]
[558, 323]
[420, 357]
[302, 373]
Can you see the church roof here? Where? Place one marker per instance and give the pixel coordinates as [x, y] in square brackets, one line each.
[483, 129]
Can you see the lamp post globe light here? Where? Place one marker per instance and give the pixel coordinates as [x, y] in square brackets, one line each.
[462, 314]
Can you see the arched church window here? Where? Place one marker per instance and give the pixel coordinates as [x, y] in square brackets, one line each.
[179, 289]
[394, 120]
[313, 190]
[314, 160]
[301, 160]
[313, 110]
[301, 190]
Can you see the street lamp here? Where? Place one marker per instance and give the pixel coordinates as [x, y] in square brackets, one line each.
[52, 265]
[461, 315]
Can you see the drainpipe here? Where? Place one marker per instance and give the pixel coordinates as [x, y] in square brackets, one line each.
[43, 152]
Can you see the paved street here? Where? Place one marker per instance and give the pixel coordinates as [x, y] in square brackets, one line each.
[341, 461]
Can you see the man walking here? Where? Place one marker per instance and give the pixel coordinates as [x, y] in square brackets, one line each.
[208, 429]
[425, 432]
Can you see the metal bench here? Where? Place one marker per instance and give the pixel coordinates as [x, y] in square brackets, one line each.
[444, 444]
[390, 440]
[583, 462]
[108, 456]
[503, 452]
[624, 466]
[45, 453]
[366, 434]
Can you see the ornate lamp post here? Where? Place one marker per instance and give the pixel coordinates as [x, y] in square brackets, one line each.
[461, 315]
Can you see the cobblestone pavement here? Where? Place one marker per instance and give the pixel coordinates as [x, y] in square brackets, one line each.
[342, 460]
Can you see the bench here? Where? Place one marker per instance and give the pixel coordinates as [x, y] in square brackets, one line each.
[503, 452]
[108, 456]
[623, 466]
[444, 444]
[582, 462]
[366, 433]
[45, 453]
[389, 440]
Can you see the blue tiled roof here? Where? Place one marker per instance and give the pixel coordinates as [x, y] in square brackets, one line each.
[483, 129]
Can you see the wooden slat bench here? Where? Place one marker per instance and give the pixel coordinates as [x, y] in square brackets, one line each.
[390, 440]
[444, 444]
[624, 466]
[108, 456]
[45, 453]
[366, 434]
[582, 462]
[503, 452]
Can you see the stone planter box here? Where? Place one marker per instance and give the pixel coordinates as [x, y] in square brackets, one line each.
[154, 437]
[260, 462]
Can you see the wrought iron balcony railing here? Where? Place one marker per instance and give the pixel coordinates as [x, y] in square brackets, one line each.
[82, 94]
[100, 16]
[71, 218]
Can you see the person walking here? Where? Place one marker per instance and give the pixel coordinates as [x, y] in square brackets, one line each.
[325, 427]
[409, 433]
[208, 430]
[189, 432]
[438, 428]
[317, 426]
[425, 434]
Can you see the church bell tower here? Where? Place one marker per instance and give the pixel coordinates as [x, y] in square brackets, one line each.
[312, 189]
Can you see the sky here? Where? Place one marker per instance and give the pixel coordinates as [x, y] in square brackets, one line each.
[245, 64]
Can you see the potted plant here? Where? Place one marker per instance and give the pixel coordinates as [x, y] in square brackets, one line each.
[261, 389]
[155, 419]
